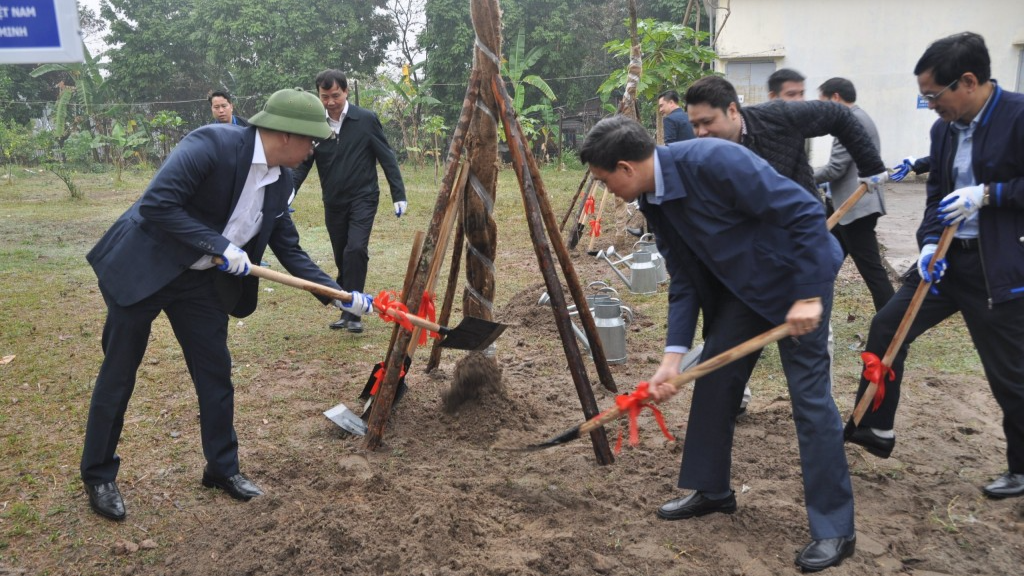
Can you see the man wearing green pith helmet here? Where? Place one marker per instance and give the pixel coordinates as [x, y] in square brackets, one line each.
[221, 194]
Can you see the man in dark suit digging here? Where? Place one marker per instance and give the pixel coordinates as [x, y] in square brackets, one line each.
[222, 193]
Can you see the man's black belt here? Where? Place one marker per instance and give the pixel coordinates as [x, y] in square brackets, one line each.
[965, 243]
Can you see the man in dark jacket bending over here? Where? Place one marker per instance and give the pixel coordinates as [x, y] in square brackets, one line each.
[722, 217]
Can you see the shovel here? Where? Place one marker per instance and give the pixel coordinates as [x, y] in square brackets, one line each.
[735, 353]
[470, 334]
[347, 420]
[876, 383]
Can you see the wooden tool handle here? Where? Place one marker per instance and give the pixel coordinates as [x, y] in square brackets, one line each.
[842, 210]
[908, 319]
[702, 369]
[320, 289]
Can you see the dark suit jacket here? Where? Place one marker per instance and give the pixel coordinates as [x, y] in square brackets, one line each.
[677, 126]
[348, 164]
[997, 157]
[728, 220]
[181, 215]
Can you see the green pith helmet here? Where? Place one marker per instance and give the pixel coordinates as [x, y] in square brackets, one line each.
[295, 111]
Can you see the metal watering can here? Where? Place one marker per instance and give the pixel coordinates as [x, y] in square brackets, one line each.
[611, 319]
[644, 244]
[643, 273]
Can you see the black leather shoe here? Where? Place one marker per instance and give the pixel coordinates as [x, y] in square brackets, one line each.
[355, 326]
[638, 232]
[340, 324]
[821, 554]
[873, 443]
[105, 500]
[1008, 485]
[696, 505]
[238, 486]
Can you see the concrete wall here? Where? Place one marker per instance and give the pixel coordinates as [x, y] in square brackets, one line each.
[875, 44]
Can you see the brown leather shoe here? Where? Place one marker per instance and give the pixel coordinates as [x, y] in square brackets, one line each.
[105, 500]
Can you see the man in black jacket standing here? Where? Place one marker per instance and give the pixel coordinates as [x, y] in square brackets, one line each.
[347, 165]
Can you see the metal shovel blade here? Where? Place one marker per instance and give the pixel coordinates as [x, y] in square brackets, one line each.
[472, 334]
[347, 419]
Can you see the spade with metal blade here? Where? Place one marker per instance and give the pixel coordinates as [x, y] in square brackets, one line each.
[347, 420]
[470, 334]
[739, 351]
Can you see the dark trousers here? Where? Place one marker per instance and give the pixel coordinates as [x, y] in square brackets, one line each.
[201, 327]
[707, 452]
[858, 241]
[349, 228]
[997, 333]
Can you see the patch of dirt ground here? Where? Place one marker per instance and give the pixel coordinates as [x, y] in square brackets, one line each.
[443, 498]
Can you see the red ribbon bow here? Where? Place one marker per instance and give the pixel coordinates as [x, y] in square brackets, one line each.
[588, 206]
[875, 371]
[632, 404]
[391, 309]
[595, 228]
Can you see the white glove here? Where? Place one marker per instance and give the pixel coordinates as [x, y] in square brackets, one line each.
[361, 304]
[400, 208]
[236, 261]
[875, 182]
[927, 252]
[961, 204]
[902, 170]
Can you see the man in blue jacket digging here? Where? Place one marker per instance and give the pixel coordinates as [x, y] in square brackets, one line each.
[976, 183]
[749, 249]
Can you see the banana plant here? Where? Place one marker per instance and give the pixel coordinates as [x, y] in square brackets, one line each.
[86, 82]
[410, 103]
[122, 143]
[514, 70]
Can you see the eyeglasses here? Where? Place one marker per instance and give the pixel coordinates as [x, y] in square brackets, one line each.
[934, 97]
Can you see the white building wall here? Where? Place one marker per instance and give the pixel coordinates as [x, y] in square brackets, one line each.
[875, 44]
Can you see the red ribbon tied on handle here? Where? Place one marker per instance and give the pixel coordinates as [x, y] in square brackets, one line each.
[391, 309]
[589, 206]
[595, 228]
[632, 404]
[875, 371]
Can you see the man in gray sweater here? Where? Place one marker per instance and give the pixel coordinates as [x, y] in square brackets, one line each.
[856, 229]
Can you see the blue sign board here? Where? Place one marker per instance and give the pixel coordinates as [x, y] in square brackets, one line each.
[921, 102]
[38, 31]
[29, 24]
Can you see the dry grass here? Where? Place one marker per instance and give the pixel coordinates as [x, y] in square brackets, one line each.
[51, 317]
